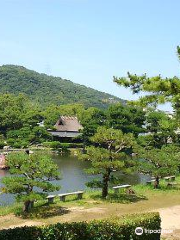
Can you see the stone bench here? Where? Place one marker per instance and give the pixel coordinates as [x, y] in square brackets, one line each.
[172, 178]
[171, 184]
[50, 198]
[116, 188]
[63, 196]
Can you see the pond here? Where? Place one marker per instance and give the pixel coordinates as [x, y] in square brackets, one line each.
[73, 177]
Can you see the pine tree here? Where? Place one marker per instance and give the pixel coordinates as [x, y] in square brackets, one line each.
[108, 155]
[159, 162]
[30, 177]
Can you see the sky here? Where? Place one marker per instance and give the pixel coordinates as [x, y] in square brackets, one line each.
[90, 41]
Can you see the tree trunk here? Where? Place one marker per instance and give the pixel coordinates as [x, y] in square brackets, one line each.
[28, 205]
[106, 178]
[156, 183]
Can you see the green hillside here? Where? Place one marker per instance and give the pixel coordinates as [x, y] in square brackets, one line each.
[48, 89]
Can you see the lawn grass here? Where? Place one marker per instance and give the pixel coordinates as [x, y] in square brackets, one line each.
[13, 208]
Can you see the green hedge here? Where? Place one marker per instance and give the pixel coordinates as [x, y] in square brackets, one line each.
[109, 229]
[57, 145]
[54, 144]
[72, 145]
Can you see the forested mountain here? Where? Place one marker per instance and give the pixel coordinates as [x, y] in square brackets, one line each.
[48, 89]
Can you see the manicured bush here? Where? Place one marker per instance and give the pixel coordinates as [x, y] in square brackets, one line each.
[64, 146]
[56, 145]
[22, 233]
[109, 229]
[17, 143]
[75, 145]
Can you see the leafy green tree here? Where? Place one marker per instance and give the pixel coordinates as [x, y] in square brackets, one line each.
[53, 112]
[30, 177]
[161, 129]
[10, 111]
[154, 119]
[17, 112]
[27, 136]
[50, 115]
[91, 119]
[158, 162]
[128, 119]
[71, 109]
[32, 116]
[109, 154]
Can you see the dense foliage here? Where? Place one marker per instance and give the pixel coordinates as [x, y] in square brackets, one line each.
[110, 229]
[127, 118]
[161, 129]
[46, 89]
[159, 162]
[20, 120]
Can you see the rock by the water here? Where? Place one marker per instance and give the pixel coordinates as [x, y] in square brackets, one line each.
[3, 162]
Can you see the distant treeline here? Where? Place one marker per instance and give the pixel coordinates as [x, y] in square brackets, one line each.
[20, 118]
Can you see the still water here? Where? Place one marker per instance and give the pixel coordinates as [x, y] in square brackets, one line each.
[73, 177]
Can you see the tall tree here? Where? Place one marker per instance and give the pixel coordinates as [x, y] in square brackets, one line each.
[109, 154]
[91, 119]
[11, 108]
[161, 129]
[128, 119]
[30, 177]
[27, 135]
[52, 112]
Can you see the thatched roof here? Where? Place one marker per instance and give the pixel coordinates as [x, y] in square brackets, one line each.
[68, 124]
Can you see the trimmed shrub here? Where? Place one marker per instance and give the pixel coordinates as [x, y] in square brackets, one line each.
[109, 229]
[74, 145]
[56, 145]
[22, 233]
[17, 143]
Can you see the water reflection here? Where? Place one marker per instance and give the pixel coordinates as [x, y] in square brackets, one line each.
[73, 176]
[72, 173]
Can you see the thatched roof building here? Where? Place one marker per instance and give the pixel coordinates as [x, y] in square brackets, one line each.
[67, 126]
